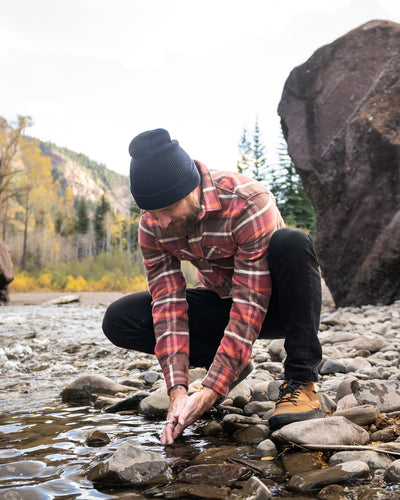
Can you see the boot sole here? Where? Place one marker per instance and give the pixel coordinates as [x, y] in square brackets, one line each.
[289, 418]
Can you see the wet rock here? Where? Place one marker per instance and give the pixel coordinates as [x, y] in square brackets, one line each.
[384, 394]
[330, 430]
[368, 493]
[232, 422]
[253, 489]
[268, 448]
[155, 405]
[373, 459]
[102, 402]
[130, 403]
[294, 463]
[83, 387]
[360, 415]
[97, 438]
[253, 434]
[220, 454]
[212, 429]
[215, 474]
[312, 481]
[332, 492]
[179, 490]
[131, 464]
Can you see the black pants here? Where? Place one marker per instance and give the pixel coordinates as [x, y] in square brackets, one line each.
[293, 311]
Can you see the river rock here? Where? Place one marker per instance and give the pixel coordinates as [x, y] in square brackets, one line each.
[312, 481]
[268, 448]
[97, 438]
[253, 434]
[384, 394]
[373, 459]
[360, 415]
[392, 473]
[215, 474]
[253, 489]
[6, 272]
[338, 112]
[155, 405]
[131, 464]
[330, 430]
[183, 490]
[85, 386]
[129, 404]
[294, 463]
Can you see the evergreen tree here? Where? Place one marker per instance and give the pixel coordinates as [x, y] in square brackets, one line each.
[243, 165]
[83, 221]
[292, 200]
[252, 161]
[258, 155]
[99, 222]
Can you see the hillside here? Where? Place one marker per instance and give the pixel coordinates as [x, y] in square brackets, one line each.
[57, 205]
[88, 178]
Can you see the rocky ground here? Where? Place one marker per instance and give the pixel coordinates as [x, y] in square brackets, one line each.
[352, 453]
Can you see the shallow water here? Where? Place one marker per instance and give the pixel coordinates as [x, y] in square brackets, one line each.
[43, 454]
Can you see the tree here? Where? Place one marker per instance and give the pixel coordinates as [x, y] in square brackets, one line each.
[34, 188]
[10, 163]
[243, 164]
[258, 153]
[100, 229]
[82, 221]
[292, 200]
[252, 161]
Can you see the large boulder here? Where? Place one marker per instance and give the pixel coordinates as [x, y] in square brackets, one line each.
[340, 114]
[6, 272]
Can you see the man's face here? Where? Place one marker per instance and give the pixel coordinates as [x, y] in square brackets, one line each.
[179, 219]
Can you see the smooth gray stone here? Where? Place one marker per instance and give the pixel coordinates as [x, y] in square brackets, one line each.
[360, 415]
[131, 464]
[373, 459]
[330, 430]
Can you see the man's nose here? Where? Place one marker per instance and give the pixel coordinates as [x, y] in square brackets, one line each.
[164, 220]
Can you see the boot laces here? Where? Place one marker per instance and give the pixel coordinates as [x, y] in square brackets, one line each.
[289, 392]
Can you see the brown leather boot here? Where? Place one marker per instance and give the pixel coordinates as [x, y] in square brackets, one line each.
[297, 401]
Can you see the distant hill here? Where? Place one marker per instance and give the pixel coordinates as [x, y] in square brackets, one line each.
[88, 178]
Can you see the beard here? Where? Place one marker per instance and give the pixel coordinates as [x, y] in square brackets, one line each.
[183, 227]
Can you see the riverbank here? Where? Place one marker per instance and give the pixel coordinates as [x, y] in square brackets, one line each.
[85, 298]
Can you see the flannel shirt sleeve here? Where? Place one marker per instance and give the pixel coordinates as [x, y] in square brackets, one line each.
[167, 287]
[251, 291]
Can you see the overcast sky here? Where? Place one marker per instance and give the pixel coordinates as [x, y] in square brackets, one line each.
[94, 73]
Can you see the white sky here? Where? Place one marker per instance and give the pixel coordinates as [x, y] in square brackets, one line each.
[94, 73]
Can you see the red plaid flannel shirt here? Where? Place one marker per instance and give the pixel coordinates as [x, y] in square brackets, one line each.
[229, 247]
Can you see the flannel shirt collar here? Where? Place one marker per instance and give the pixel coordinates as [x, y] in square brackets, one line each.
[209, 201]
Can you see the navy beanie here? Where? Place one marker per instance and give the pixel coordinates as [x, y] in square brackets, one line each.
[162, 173]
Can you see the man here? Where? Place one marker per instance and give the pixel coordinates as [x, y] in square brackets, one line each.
[258, 279]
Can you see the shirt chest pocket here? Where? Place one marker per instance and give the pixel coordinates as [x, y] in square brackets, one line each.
[218, 252]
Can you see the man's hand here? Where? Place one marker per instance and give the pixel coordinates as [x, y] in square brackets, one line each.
[178, 397]
[195, 405]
